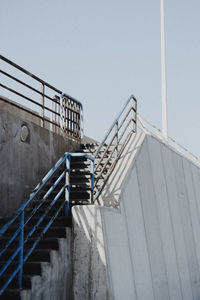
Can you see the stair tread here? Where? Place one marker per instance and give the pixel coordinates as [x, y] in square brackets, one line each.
[80, 191]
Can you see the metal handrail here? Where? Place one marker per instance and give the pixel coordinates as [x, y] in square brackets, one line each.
[149, 128]
[19, 216]
[62, 113]
[113, 144]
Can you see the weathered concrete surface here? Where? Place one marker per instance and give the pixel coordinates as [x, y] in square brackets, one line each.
[55, 281]
[9, 105]
[24, 164]
[152, 241]
[89, 263]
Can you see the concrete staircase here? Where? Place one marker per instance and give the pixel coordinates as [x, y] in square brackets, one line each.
[79, 194]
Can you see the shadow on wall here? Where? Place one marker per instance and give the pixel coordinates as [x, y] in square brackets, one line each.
[110, 195]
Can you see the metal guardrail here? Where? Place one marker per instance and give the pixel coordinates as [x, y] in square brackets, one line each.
[102, 164]
[110, 149]
[25, 214]
[147, 127]
[56, 110]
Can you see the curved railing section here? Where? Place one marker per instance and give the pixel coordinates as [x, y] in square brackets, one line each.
[50, 107]
[34, 217]
[110, 149]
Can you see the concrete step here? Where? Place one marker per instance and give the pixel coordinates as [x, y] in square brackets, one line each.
[79, 195]
[53, 231]
[45, 243]
[11, 294]
[29, 268]
[26, 281]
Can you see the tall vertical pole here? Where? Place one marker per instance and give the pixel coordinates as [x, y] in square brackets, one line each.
[163, 68]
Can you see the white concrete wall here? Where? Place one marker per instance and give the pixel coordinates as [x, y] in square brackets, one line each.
[152, 242]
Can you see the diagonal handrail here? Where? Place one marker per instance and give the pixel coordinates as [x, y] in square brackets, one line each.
[19, 234]
[102, 164]
[113, 143]
[149, 128]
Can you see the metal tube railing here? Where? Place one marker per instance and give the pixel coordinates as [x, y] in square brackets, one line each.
[149, 128]
[71, 112]
[19, 235]
[113, 143]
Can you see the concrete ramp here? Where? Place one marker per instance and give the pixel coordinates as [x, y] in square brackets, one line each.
[149, 246]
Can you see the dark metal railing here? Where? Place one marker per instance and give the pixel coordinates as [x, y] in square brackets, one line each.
[110, 149]
[54, 109]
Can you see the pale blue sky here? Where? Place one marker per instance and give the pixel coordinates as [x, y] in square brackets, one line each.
[102, 51]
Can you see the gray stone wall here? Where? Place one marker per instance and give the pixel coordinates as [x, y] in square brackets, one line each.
[24, 164]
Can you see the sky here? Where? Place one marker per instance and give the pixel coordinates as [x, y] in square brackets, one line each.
[101, 52]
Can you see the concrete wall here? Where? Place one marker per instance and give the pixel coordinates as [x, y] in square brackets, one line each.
[90, 278]
[24, 164]
[152, 242]
[55, 281]
[9, 105]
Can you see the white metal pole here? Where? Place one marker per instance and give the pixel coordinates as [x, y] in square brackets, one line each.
[163, 68]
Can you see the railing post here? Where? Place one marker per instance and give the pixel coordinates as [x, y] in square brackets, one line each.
[21, 246]
[67, 184]
[116, 140]
[42, 102]
[92, 180]
[62, 114]
[81, 127]
[134, 116]
[65, 114]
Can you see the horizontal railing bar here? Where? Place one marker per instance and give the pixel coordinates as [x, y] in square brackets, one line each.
[29, 74]
[26, 85]
[22, 108]
[124, 119]
[29, 99]
[105, 151]
[39, 79]
[21, 95]
[113, 165]
[36, 103]
[38, 116]
[113, 125]
[124, 130]
[102, 170]
[34, 114]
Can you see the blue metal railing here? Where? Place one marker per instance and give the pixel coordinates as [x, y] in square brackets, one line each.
[29, 209]
[102, 164]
